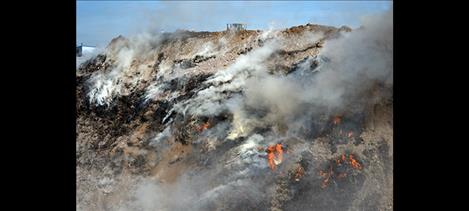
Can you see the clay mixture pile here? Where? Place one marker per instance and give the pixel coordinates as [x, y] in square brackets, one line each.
[292, 119]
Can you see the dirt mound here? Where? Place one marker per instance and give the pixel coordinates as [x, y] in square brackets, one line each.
[189, 114]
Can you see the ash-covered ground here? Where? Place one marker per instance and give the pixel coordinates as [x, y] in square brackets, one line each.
[182, 121]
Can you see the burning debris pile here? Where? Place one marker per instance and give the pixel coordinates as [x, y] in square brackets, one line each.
[294, 119]
[274, 155]
[339, 169]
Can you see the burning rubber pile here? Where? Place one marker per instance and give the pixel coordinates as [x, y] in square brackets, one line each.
[293, 119]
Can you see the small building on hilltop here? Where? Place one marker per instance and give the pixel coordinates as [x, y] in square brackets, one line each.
[235, 27]
[84, 49]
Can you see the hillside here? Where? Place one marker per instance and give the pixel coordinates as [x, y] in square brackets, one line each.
[189, 120]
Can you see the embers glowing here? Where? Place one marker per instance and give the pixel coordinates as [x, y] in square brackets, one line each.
[337, 120]
[274, 155]
[354, 163]
[327, 176]
[203, 127]
[299, 172]
[337, 170]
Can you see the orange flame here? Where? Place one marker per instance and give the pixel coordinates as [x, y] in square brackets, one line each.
[354, 163]
[339, 161]
[203, 127]
[327, 176]
[270, 157]
[279, 150]
[337, 120]
[330, 174]
[274, 155]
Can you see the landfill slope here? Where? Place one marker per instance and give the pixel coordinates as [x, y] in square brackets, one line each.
[183, 120]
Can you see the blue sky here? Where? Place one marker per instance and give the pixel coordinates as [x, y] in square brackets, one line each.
[100, 21]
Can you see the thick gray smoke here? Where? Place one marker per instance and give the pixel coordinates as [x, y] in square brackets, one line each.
[125, 54]
[350, 66]
[355, 62]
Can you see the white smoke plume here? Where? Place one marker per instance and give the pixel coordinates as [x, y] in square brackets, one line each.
[350, 65]
[358, 60]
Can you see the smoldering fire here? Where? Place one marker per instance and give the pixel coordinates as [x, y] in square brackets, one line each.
[289, 119]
